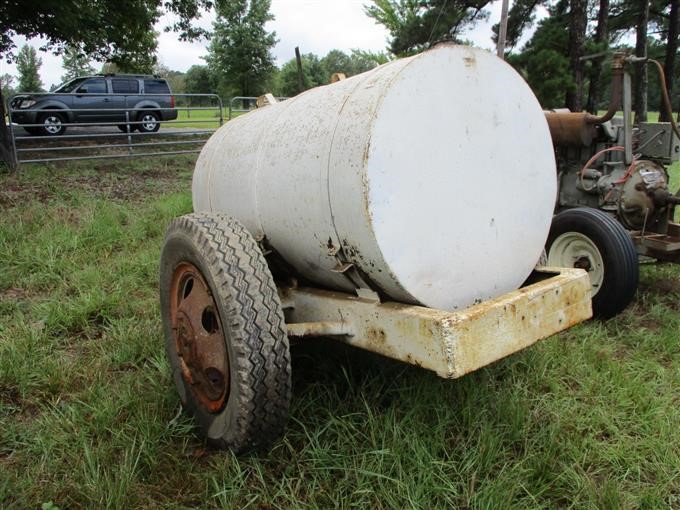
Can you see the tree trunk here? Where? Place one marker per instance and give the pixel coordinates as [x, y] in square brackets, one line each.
[640, 86]
[602, 41]
[577, 36]
[7, 155]
[671, 51]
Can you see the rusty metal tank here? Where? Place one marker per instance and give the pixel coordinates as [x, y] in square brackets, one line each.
[430, 179]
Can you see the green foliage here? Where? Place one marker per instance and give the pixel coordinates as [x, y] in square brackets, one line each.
[521, 16]
[199, 80]
[544, 61]
[28, 65]
[357, 62]
[415, 24]
[239, 52]
[624, 13]
[113, 31]
[318, 71]
[176, 81]
[75, 63]
[6, 81]
[313, 75]
[109, 68]
[143, 59]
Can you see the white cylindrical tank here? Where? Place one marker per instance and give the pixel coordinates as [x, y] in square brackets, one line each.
[432, 178]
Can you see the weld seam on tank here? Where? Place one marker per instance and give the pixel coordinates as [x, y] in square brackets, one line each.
[385, 88]
[329, 157]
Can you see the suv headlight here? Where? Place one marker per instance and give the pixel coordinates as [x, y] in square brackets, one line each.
[27, 103]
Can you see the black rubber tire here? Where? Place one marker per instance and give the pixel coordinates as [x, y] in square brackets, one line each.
[619, 257]
[140, 118]
[50, 113]
[256, 410]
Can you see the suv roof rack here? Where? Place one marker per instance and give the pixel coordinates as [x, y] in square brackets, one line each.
[131, 75]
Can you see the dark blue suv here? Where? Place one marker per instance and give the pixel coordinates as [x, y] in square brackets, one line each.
[143, 100]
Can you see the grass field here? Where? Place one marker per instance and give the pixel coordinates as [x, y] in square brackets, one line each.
[89, 417]
[200, 119]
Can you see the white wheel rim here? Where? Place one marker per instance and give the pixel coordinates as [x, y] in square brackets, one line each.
[52, 124]
[148, 122]
[573, 249]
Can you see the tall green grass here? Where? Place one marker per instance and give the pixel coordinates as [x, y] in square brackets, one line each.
[89, 417]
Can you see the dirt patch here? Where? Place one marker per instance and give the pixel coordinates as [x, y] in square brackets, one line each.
[14, 404]
[122, 182]
[666, 286]
[666, 290]
[12, 294]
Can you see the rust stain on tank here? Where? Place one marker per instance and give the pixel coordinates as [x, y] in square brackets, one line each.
[376, 336]
[366, 152]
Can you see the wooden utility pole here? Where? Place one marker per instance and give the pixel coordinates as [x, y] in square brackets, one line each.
[298, 59]
[502, 30]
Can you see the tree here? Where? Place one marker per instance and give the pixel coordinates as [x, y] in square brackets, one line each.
[240, 49]
[357, 62]
[544, 61]
[318, 71]
[671, 55]
[176, 81]
[28, 65]
[521, 16]
[6, 81]
[415, 24]
[367, 60]
[640, 84]
[75, 63]
[313, 75]
[103, 30]
[600, 44]
[578, 22]
[198, 80]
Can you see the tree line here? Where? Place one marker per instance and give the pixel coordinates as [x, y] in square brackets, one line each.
[239, 60]
[207, 78]
[563, 56]
[564, 59]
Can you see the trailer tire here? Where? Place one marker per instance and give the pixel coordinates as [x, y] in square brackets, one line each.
[230, 360]
[590, 239]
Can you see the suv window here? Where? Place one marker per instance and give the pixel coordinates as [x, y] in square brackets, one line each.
[156, 87]
[70, 86]
[94, 86]
[124, 86]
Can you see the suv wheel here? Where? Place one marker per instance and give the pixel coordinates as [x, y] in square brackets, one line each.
[53, 124]
[149, 122]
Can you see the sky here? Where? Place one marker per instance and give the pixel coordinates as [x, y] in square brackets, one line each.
[316, 26]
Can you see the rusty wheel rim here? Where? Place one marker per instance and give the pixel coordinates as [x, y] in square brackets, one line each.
[199, 338]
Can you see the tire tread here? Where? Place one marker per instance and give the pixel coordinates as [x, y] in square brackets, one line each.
[258, 332]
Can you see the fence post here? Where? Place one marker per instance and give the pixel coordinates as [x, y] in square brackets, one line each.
[13, 156]
[127, 127]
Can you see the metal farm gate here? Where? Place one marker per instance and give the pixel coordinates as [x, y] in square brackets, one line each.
[127, 135]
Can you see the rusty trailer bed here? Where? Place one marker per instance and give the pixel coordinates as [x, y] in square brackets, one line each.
[451, 344]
